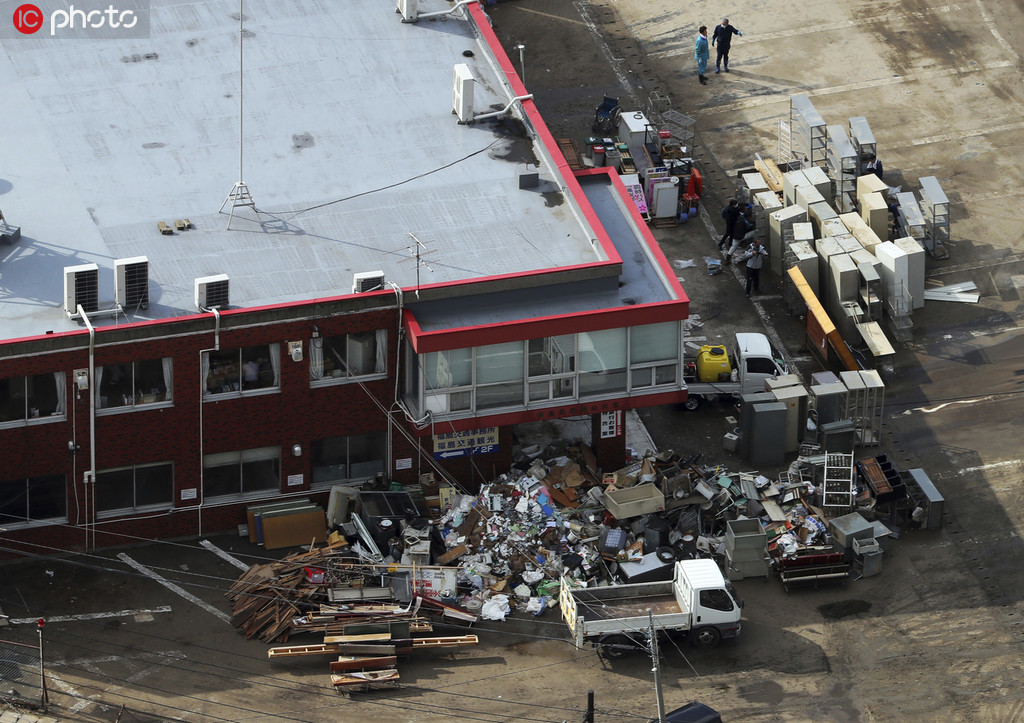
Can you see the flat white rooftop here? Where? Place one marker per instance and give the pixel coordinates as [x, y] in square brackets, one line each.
[349, 146]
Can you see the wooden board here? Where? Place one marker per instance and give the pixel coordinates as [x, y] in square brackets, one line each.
[369, 678]
[292, 530]
[293, 651]
[771, 173]
[350, 662]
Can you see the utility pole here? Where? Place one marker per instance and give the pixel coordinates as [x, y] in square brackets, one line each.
[588, 717]
[656, 669]
[44, 698]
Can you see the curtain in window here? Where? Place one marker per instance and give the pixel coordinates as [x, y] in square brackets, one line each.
[382, 351]
[62, 392]
[275, 363]
[168, 365]
[97, 381]
[204, 371]
[58, 379]
[316, 357]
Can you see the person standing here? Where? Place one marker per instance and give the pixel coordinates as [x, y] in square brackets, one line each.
[730, 214]
[701, 53]
[723, 39]
[754, 257]
[742, 233]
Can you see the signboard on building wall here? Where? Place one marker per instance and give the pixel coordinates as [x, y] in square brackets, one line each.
[448, 445]
[403, 463]
[294, 480]
[611, 424]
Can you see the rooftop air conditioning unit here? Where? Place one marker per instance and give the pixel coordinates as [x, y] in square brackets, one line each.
[408, 10]
[81, 288]
[212, 292]
[131, 283]
[462, 93]
[367, 281]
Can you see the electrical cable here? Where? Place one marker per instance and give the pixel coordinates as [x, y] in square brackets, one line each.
[295, 213]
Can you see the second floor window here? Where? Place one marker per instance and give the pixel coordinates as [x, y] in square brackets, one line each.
[134, 383]
[39, 396]
[235, 371]
[347, 355]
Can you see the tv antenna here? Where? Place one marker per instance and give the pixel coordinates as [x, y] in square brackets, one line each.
[416, 252]
[239, 195]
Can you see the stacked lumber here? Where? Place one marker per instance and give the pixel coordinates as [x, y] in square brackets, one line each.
[366, 654]
[267, 598]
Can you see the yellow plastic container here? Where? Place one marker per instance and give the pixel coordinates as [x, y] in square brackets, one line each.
[713, 364]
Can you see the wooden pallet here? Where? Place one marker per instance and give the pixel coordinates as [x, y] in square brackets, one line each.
[571, 152]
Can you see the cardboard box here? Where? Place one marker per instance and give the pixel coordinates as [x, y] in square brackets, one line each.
[634, 501]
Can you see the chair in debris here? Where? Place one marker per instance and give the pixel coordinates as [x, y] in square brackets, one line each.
[606, 115]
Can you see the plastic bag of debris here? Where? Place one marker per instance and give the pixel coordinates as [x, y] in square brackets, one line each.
[495, 608]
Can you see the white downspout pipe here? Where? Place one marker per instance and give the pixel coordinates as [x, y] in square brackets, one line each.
[503, 111]
[202, 389]
[90, 483]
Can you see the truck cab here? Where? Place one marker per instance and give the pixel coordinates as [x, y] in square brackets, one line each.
[756, 360]
[742, 369]
[714, 610]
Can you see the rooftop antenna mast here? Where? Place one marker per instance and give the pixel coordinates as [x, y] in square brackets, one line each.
[239, 195]
[416, 252]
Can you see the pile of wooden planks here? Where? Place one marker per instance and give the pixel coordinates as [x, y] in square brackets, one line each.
[266, 599]
[367, 653]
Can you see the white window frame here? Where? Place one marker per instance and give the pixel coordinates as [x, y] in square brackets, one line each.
[134, 404]
[274, 351]
[122, 511]
[316, 352]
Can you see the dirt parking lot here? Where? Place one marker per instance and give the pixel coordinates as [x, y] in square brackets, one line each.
[936, 636]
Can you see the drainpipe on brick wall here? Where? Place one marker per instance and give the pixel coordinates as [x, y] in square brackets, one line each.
[90, 484]
[202, 391]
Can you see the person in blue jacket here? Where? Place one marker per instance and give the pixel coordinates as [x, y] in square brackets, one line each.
[723, 38]
[701, 52]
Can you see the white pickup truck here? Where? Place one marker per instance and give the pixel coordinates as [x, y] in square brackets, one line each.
[618, 617]
[716, 371]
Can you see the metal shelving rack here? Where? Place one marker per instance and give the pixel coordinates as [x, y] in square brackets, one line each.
[910, 218]
[870, 291]
[838, 491]
[935, 208]
[874, 406]
[863, 141]
[899, 307]
[842, 166]
[807, 132]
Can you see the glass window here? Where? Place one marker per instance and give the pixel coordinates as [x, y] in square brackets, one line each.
[499, 375]
[716, 600]
[348, 355]
[654, 342]
[233, 371]
[135, 488]
[756, 365]
[133, 383]
[36, 499]
[237, 474]
[602, 362]
[40, 396]
[356, 457]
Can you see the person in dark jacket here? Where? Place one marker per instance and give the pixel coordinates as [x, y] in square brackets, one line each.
[730, 214]
[723, 39]
[873, 166]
